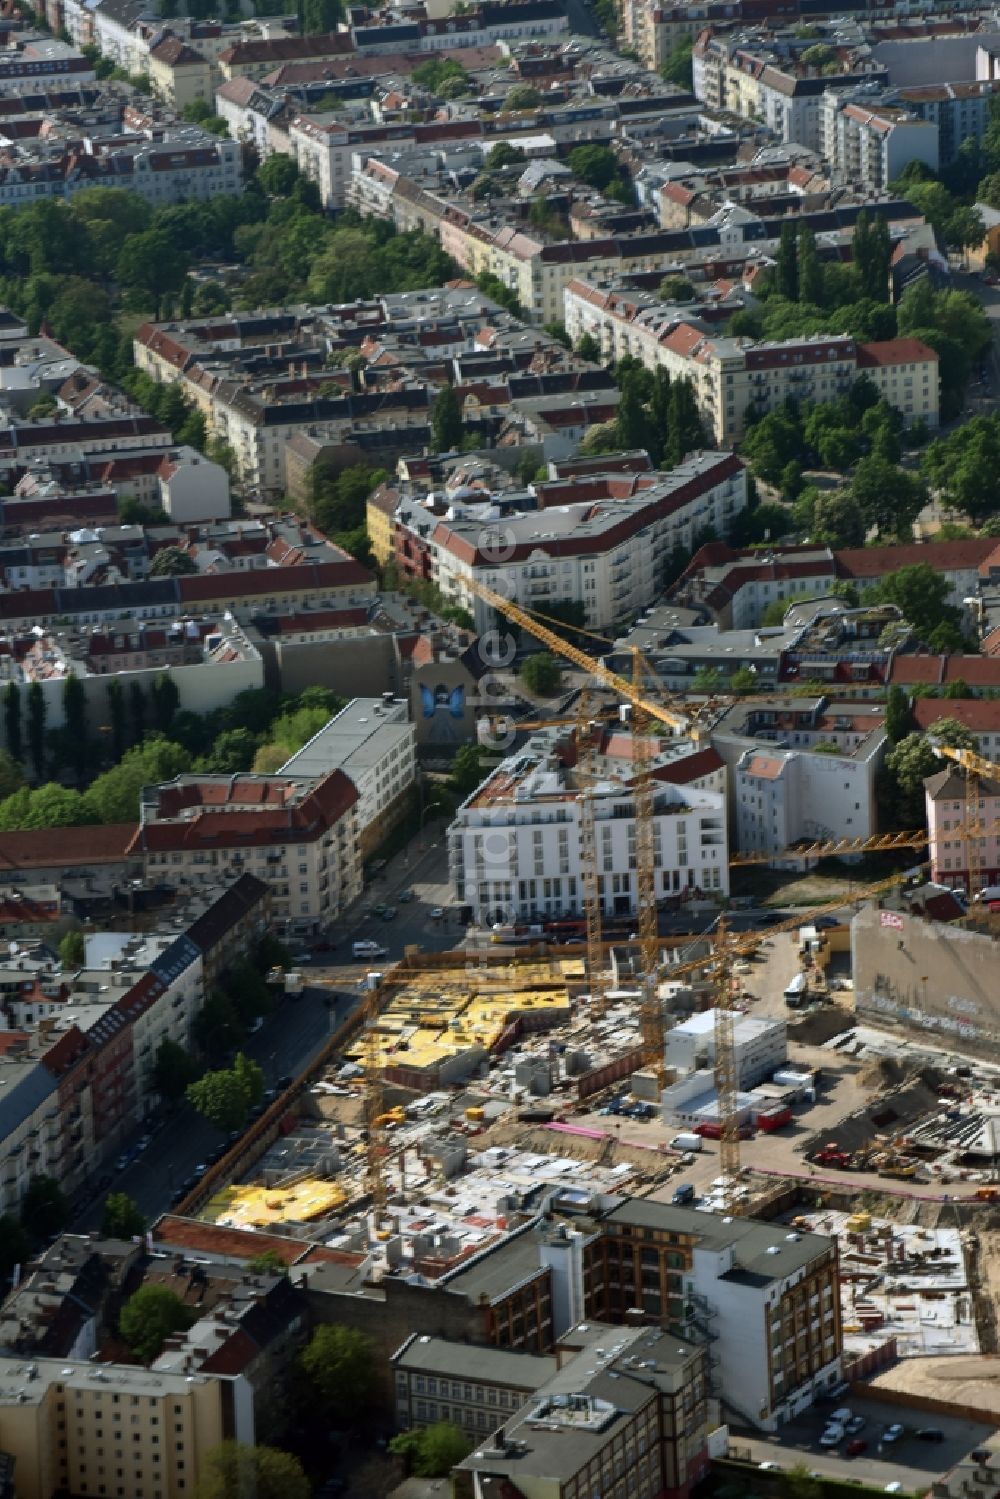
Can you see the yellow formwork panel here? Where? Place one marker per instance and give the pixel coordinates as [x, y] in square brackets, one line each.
[433, 1016]
[261, 1207]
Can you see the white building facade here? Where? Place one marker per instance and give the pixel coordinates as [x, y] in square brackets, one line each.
[515, 845]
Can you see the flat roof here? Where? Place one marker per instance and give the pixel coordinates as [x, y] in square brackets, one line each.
[356, 739]
[750, 1241]
[26, 1380]
[525, 1371]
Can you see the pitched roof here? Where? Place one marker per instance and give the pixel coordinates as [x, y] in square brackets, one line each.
[943, 556]
[44, 848]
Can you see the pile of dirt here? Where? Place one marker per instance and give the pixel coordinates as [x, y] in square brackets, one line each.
[820, 1024]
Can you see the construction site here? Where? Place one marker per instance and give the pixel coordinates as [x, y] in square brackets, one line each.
[794, 1072]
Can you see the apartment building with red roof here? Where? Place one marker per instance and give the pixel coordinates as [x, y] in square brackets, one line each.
[300, 833]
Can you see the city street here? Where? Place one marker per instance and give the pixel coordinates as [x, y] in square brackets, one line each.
[290, 1038]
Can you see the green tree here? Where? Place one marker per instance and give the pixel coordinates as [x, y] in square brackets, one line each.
[232, 751]
[595, 165]
[72, 949]
[503, 154]
[466, 769]
[446, 421]
[541, 673]
[268, 1263]
[15, 1247]
[45, 1209]
[633, 427]
[165, 700]
[172, 562]
[686, 432]
[810, 270]
[12, 720]
[872, 253]
[678, 68]
[743, 681]
[238, 1471]
[934, 201]
[431, 1451]
[37, 714]
[11, 775]
[75, 721]
[226, 1097]
[339, 1369]
[114, 796]
[910, 762]
[898, 718]
[962, 467]
[122, 1218]
[137, 709]
[152, 265]
[889, 498]
[675, 288]
[964, 229]
[278, 175]
[173, 1069]
[786, 272]
[320, 17]
[707, 679]
[522, 96]
[921, 596]
[588, 348]
[149, 1317]
[837, 519]
[116, 717]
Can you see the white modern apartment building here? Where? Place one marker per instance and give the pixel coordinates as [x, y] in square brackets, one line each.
[601, 540]
[868, 141]
[514, 847]
[373, 742]
[729, 375]
[783, 796]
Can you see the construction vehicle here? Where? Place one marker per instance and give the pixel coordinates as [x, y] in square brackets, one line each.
[832, 1155]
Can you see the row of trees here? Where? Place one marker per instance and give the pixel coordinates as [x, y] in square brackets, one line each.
[259, 730]
[804, 297]
[83, 267]
[654, 412]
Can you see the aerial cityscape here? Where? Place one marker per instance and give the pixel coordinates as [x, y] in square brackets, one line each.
[499, 749]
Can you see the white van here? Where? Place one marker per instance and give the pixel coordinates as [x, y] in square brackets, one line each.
[368, 949]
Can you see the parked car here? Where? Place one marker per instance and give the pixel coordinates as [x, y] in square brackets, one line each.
[841, 1416]
[770, 1467]
[856, 1424]
[930, 1434]
[855, 1448]
[404, 897]
[894, 1488]
[832, 1436]
[437, 912]
[892, 1433]
[388, 913]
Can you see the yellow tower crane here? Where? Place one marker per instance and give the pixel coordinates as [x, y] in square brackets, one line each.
[374, 1096]
[727, 1080]
[590, 878]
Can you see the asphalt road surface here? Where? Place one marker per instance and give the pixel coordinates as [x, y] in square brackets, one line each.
[910, 1461]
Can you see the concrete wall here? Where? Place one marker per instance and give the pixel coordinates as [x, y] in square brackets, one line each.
[351, 668]
[926, 976]
[945, 59]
